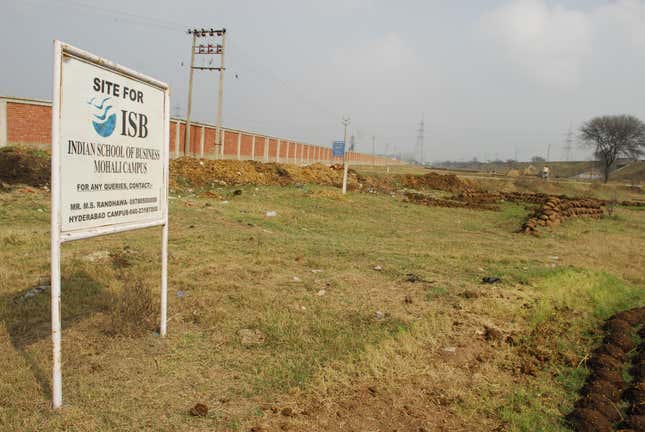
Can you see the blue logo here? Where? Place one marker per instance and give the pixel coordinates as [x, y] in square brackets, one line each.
[104, 122]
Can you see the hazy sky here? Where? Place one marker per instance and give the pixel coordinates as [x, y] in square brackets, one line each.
[490, 77]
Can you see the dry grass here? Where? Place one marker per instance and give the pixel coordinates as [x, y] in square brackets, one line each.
[323, 352]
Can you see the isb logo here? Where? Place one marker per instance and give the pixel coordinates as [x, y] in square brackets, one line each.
[133, 124]
[104, 122]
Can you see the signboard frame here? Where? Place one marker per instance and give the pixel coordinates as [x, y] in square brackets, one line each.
[58, 236]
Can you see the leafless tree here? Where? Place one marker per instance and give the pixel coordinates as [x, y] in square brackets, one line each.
[613, 137]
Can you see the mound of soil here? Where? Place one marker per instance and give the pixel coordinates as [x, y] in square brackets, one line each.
[526, 197]
[444, 182]
[599, 407]
[590, 420]
[600, 404]
[203, 173]
[25, 166]
[555, 209]
[420, 198]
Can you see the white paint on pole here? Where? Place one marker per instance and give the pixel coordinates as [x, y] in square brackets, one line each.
[110, 150]
[57, 376]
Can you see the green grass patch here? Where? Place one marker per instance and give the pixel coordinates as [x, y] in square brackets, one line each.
[571, 305]
[435, 292]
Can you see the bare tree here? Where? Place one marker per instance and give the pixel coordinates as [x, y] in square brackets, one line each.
[613, 137]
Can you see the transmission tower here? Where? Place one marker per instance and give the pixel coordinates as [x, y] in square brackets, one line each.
[568, 144]
[419, 146]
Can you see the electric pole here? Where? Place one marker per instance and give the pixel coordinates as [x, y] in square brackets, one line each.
[345, 123]
[190, 95]
[420, 144]
[373, 150]
[209, 49]
[220, 97]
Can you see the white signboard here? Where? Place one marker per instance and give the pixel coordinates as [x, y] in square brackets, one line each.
[111, 147]
[110, 130]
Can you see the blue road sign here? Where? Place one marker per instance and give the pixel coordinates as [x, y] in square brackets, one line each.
[339, 148]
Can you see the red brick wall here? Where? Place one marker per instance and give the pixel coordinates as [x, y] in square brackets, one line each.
[283, 150]
[230, 144]
[273, 148]
[173, 135]
[29, 124]
[209, 142]
[246, 146]
[259, 148]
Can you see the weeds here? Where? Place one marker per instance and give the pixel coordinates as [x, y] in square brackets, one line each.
[133, 309]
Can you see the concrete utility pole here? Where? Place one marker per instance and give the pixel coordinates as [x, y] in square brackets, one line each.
[373, 150]
[190, 95]
[345, 122]
[209, 49]
[220, 97]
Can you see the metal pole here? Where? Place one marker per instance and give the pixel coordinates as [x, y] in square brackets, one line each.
[163, 316]
[164, 279]
[190, 96]
[220, 96]
[345, 162]
[57, 376]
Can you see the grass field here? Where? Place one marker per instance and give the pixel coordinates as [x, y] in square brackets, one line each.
[308, 321]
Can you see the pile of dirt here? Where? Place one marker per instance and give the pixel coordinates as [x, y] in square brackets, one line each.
[635, 394]
[556, 209]
[530, 171]
[444, 182]
[208, 173]
[479, 197]
[632, 203]
[598, 409]
[25, 166]
[454, 202]
[525, 197]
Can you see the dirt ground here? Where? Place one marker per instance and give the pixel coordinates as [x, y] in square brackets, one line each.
[357, 312]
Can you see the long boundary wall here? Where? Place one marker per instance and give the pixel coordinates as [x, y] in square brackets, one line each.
[28, 122]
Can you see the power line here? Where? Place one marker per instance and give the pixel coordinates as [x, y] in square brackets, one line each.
[179, 27]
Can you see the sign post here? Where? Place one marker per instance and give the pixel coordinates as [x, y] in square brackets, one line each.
[338, 150]
[109, 172]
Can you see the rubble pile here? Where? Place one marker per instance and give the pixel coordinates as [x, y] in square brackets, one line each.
[556, 209]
